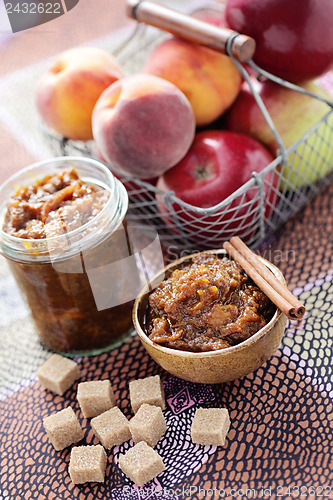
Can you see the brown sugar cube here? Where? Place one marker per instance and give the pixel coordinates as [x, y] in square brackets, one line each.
[95, 397]
[63, 428]
[210, 426]
[58, 374]
[141, 463]
[148, 425]
[111, 427]
[87, 464]
[147, 390]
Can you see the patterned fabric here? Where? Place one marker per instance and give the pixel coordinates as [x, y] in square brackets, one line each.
[281, 415]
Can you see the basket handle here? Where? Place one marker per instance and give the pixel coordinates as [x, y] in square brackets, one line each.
[192, 29]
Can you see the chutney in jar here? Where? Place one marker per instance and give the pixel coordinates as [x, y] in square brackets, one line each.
[53, 205]
[58, 231]
[206, 305]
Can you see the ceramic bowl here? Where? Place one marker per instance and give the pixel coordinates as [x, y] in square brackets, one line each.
[211, 367]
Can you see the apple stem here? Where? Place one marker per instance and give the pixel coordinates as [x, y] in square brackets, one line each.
[201, 172]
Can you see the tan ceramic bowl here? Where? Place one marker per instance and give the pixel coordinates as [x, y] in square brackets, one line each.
[213, 366]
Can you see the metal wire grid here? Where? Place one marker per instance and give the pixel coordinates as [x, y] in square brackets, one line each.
[252, 212]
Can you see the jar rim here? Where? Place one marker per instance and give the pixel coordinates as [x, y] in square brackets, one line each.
[14, 241]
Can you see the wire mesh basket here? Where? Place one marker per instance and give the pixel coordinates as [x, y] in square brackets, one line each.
[255, 210]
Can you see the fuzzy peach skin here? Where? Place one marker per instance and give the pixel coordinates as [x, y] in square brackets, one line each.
[209, 80]
[67, 92]
[143, 125]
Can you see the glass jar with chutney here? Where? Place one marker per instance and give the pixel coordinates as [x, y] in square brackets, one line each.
[64, 236]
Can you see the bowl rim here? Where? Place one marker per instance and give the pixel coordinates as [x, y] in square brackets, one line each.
[206, 354]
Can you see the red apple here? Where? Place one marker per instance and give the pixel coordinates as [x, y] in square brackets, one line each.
[294, 37]
[293, 115]
[217, 164]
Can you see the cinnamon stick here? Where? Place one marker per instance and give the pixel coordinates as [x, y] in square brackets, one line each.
[265, 279]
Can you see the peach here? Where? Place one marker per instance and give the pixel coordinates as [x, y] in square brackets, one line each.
[137, 193]
[143, 125]
[67, 92]
[209, 79]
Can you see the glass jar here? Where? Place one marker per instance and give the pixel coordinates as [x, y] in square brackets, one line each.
[74, 284]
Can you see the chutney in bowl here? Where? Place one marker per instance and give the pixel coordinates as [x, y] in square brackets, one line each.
[208, 325]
